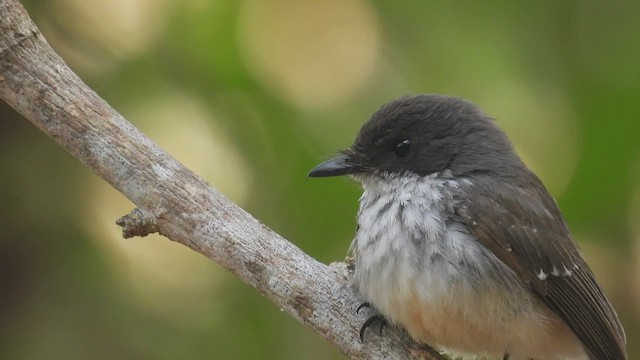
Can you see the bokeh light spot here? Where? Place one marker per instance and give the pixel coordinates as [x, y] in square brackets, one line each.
[95, 35]
[313, 53]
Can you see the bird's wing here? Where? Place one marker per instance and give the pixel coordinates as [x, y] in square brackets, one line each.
[523, 227]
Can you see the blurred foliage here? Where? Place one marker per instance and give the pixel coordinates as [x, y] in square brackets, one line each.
[251, 94]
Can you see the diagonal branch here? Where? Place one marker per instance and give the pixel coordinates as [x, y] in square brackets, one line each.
[174, 201]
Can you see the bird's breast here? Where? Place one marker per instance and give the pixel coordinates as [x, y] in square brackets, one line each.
[408, 250]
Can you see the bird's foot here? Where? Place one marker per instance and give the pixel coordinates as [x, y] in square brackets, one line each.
[370, 321]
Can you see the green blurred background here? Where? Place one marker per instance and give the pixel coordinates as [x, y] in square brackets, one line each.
[250, 95]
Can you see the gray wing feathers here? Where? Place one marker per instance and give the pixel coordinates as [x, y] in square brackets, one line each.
[528, 234]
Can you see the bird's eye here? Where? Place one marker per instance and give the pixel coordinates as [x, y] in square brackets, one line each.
[402, 148]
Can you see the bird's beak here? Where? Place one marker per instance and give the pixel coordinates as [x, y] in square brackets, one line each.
[337, 166]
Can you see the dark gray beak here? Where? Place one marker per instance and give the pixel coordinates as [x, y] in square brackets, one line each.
[337, 166]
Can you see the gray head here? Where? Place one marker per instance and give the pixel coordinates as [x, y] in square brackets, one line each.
[426, 134]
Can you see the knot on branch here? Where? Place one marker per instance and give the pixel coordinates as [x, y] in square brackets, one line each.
[137, 223]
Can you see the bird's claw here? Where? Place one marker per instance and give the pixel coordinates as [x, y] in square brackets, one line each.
[362, 306]
[370, 321]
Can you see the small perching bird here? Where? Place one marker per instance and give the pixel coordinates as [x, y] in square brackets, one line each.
[460, 243]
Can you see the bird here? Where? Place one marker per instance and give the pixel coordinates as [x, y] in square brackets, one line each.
[460, 243]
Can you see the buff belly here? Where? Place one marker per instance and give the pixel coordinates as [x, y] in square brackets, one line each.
[454, 309]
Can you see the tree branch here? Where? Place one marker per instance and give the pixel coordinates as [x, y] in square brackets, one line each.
[175, 202]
